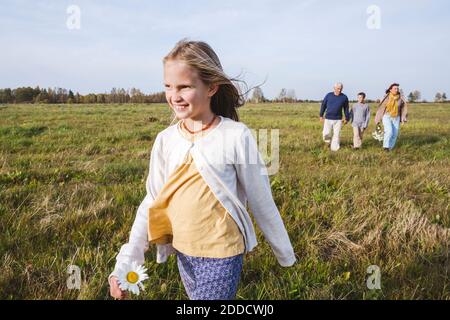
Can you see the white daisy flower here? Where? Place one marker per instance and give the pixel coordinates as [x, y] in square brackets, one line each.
[130, 277]
[378, 134]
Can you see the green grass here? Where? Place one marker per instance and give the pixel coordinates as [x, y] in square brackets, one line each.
[72, 177]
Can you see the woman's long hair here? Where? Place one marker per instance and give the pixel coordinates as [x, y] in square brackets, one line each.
[202, 58]
[390, 87]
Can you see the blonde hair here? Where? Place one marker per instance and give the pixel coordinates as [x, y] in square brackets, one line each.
[202, 58]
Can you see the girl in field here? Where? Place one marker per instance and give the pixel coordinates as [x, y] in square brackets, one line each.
[392, 111]
[203, 171]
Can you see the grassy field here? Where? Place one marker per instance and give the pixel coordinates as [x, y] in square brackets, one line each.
[72, 177]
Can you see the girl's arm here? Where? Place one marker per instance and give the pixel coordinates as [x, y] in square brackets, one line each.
[252, 175]
[138, 242]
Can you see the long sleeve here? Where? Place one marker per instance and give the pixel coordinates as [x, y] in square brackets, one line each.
[252, 175]
[404, 111]
[380, 110]
[346, 111]
[138, 241]
[367, 118]
[323, 106]
[352, 113]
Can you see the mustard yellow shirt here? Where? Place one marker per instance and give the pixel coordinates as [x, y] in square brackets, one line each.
[187, 214]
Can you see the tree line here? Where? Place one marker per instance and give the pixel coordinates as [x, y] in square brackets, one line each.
[133, 95]
[61, 95]
[289, 96]
[415, 96]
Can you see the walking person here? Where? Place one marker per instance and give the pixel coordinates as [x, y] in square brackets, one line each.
[195, 205]
[360, 116]
[332, 106]
[391, 112]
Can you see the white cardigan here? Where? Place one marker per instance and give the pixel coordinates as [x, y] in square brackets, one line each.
[228, 159]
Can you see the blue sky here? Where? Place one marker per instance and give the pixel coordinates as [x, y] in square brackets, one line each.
[304, 45]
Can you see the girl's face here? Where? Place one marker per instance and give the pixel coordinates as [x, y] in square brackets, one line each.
[186, 93]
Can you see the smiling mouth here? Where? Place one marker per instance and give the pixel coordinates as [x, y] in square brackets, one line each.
[180, 108]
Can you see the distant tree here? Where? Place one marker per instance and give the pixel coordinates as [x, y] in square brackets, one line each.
[36, 92]
[24, 95]
[123, 96]
[257, 96]
[438, 97]
[70, 97]
[62, 95]
[291, 96]
[113, 96]
[159, 97]
[410, 97]
[414, 96]
[42, 97]
[6, 96]
[51, 95]
[101, 98]
[90, 98]
[282, 96]
[136, 96]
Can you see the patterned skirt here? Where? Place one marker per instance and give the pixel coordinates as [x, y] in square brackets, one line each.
[210, 278]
